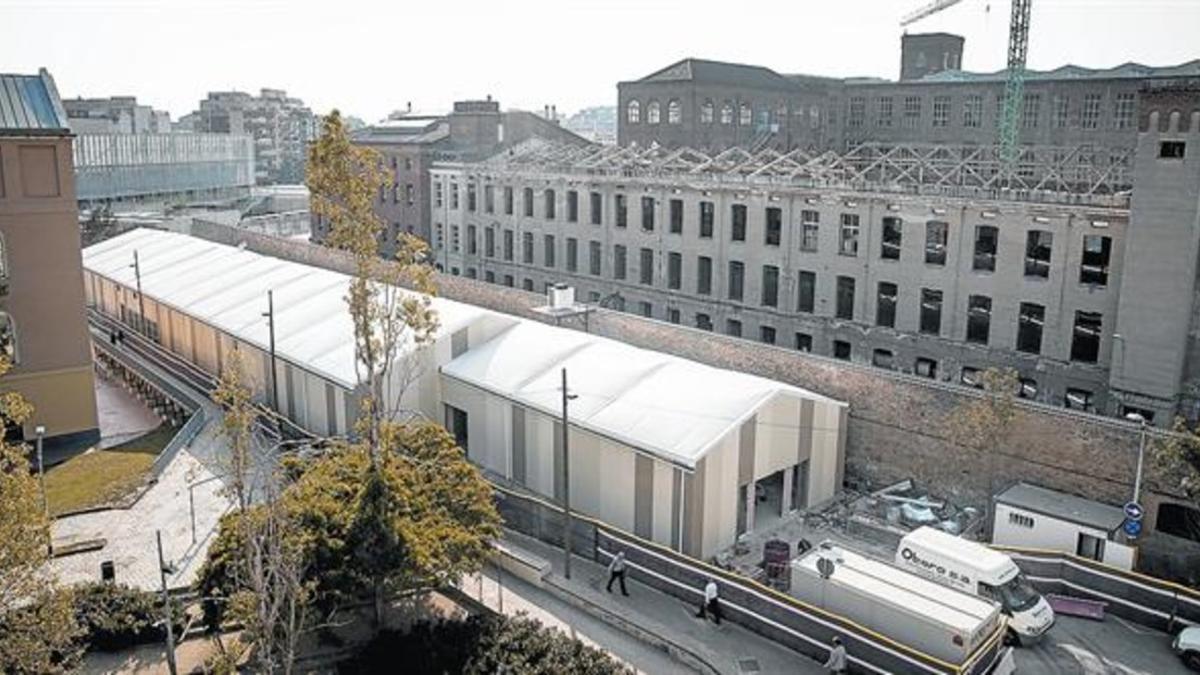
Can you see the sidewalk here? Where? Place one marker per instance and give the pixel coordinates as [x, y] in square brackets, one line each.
[727, 649]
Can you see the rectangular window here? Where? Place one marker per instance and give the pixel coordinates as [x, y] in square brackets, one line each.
[454, 242]
[648, 214]
[941, 111]
[849, 240]
[986, 240]
[885, 304]
[489, 198]
[1062, 111]
[803, 342]
[1085, 339]
[937, 234]
[572, 206]
[912, 112]
[674, 270]
[733, 327]
[931, 311]
[889, 246]
[673, 315]
[806, 291]
[1172, 149]
[883, 358]
[527, 200]
[766, 335]
[979, 319]
[548, 250]
[774, 226]
[1029, 328]
[1078, 399]
[410, 194]
[549, 204]
[1029, 111]
[973, 111]
[842, 350]
[619, 262]
[703, 321]
[884, 116]
[845, 298]
[707, 215]
[810, 223]
[454, 196]
[646, 309]
[595, 207]
[508, 245]
[472, 246]
[1038, 244]
[1089, 115]
[857, 112]
[572, 254]
[471, 197]
[770, 286]
[527, 284]
[489, 276]
[489, 242]
[704, 275]
[738, 215]
[438, 197]
[1093, 269]
[925, 367]
[676, 216]
[527, 248]
[1123, 109]
[646, 269]
[737, 280]
[621, 209]
[594, 257]
[508, 200]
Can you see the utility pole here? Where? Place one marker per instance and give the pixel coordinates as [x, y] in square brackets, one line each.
[270, 316]
[41, 432]
[137, 273]
[566, 435]
[1137, 479]
[162, 575]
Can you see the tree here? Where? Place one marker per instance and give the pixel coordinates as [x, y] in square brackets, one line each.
[984, 423]
[37, 621]
[237, 425]
[1178, 455]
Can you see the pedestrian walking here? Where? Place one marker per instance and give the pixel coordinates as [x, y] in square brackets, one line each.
[112, 337]
[616, 572]
[710, 603]
[836, 663]
[120, 336]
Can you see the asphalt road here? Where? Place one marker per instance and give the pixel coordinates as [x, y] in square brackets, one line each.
[1111, 647]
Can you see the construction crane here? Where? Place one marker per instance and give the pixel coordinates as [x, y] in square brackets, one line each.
[1014, 87]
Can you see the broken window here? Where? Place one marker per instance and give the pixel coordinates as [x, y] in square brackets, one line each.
[941, 111]
[674, 112]
[704, 275]
[931, 311]
[737, 280]
[706, 112]
[841, 350]
[633, 112]
[733, 327]
[548, 209]
[703, 321]
[970, 377]
[594, 257]
[1029, 328]
[527, 200]
[1093, 268]
[572, 206]
[1038, 245]
[676, 216]
[646, 268]
[548, 250]
[621, 209]
[674, 270]
[1089, 115]
[738, 231]
[926, 367]
[937, 234]
[1027, 388]
[707, 214]
[619, 261]
[774, 231]
[1171, 149]
[1079, 399]
[802, 342]
[882, 358]
[973, 111]
[889, 246]
[806, 291]
[1178, 520]
[652, 112]
[770, 286]
[845, 298]
[885, 304]
[810, 222]
[648, 214]
[849, 239]
[979, 319]
[1085, 339]
[766, 334]
[595, 206]
[986, 240]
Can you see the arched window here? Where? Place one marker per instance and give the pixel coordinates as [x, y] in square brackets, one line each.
[674, 112]
[706, 113]
[8, 338]
[745, 115]
[652, 112]
[633, 112]
[727, 113]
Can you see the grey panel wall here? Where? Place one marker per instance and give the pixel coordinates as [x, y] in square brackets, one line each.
[518, 445]
[643, 496]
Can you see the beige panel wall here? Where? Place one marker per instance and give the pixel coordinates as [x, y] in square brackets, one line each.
[827, 457]
[777, 435]
[720, 495]
[664, 497]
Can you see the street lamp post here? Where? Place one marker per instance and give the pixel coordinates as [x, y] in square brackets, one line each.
[41, 433]
[163, 569]
[270, 316]
[567, 397]
[1137, 479]
[137, 273]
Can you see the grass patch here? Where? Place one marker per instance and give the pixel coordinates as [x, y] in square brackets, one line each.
[101, 477]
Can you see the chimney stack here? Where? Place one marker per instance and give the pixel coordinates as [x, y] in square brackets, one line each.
[410, 106]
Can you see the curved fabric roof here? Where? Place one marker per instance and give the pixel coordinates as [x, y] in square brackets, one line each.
[671, 407]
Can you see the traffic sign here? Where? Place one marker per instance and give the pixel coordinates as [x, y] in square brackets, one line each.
[1133, 527]
[1134, 511]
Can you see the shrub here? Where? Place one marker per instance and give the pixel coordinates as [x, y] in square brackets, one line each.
[115, 616]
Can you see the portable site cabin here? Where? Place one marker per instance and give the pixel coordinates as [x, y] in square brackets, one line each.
[1036, 517]
[661, 446]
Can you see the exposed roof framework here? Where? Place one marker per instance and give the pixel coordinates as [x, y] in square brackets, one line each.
[1083, 175]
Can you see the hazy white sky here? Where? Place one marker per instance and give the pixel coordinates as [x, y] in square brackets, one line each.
[368, 57]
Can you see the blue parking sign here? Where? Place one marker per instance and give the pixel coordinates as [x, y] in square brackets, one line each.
[1133, 527]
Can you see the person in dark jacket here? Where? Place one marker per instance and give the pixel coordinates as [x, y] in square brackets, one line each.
[616, 572]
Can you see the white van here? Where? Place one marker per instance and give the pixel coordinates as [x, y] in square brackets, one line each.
[978, 569]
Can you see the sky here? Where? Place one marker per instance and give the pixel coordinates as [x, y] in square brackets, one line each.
[370, 57]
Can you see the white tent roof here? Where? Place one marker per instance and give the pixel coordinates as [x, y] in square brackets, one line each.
[671, 407]
[226, 287]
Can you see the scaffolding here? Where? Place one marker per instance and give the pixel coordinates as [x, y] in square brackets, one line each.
[1064, 175]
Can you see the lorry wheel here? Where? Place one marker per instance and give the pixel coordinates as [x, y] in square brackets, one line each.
[1192, 659]
[1011, 639]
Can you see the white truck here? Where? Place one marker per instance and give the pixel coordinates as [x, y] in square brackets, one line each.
[939, 621]
[975, 568]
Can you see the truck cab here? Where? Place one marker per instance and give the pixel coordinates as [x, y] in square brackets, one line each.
[975, 568]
